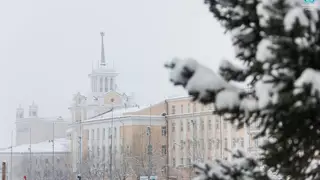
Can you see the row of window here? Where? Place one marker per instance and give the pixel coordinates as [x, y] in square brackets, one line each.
[202, 124]
[210, 144]
[104, 134]
[194, 108]
[103, 81]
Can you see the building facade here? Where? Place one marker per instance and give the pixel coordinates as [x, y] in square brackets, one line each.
[34, 129]
[38, 161]
[107, 125]
[161, 140]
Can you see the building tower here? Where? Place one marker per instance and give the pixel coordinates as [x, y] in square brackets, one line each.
[33, 110]
[103, 77]
[20, 112]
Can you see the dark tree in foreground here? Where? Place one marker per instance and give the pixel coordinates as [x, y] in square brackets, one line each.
[278, 43]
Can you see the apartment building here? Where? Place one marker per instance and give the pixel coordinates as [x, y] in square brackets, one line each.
[197, 135]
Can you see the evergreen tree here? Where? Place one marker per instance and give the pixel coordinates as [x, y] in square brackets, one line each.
[278, 43]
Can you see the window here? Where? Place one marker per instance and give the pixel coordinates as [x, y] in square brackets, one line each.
[181, 144]
[256, 143]
[189, 143]
[101, 83]
[202, 144]
[106, 84]
[181, 125]
[225, 125]
[188, 107]
[202, 123]
[194, 107]
[115, 132]
[209, 123]
[173, 127]
[202, 107]
[148, 131]
[234, 142]
[225, 142]
[98, 134]
[110, 132]
[164, 131]
[174, 162]
[92, 134]
[98, 151]
[181, 161]
[173, 109]
[164, 149]
[209, 144]
[242, 142]
[103, 153]
[174, 146]
[188, 125]
[92, 151]
[218, 144]
[104, 133]
[189, 161]
[181, 108]
[217, 124]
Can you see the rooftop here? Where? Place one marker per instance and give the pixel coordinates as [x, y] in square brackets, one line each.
[119, 112]
[60, 145]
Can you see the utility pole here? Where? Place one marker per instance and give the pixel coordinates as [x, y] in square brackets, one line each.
[221, 137]
[30, 165]
[111, 158]
[53, 150]
[193, 134]
[150, 146]
[11, 153]
[80, 151]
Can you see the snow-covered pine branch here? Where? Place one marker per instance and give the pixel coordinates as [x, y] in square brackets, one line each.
[278, 40]
[242, 167]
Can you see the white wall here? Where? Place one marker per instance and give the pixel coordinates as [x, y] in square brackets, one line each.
[41, 130]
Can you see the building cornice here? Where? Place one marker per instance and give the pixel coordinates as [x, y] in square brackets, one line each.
[189, 115]
[119, 119]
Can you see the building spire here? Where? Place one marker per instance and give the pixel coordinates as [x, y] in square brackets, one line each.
[102, 60]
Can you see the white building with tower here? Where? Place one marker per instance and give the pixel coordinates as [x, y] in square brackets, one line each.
[105, 118]
[32, 128]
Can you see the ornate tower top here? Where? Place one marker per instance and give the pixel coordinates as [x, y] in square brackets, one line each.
[102, 60]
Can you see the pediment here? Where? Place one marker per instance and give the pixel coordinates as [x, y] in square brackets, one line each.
[113, 97]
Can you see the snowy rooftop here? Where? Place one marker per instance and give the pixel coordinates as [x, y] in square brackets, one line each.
[120, 112]
[60, 145]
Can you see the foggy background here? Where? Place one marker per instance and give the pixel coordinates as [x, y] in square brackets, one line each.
[47, 49]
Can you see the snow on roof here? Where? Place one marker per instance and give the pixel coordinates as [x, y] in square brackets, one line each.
[119, 112]
[60, 145]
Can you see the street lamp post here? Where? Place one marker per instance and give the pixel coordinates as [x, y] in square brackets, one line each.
[111, 159]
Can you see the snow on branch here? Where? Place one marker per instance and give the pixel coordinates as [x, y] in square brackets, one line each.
[230, 71]
[308, 77]
[207, 87]
[242, 167]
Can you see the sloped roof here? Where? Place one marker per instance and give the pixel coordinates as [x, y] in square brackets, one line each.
[60, 145]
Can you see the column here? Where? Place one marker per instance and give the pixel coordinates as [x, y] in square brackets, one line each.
[102, 85]
[98, 84]
[111, 83]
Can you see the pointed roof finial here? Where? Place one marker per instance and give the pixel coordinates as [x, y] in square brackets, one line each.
[102, 60]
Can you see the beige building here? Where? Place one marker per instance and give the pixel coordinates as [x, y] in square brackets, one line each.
[196, 135]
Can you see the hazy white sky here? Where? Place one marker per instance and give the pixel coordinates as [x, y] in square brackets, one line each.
[47, 49]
